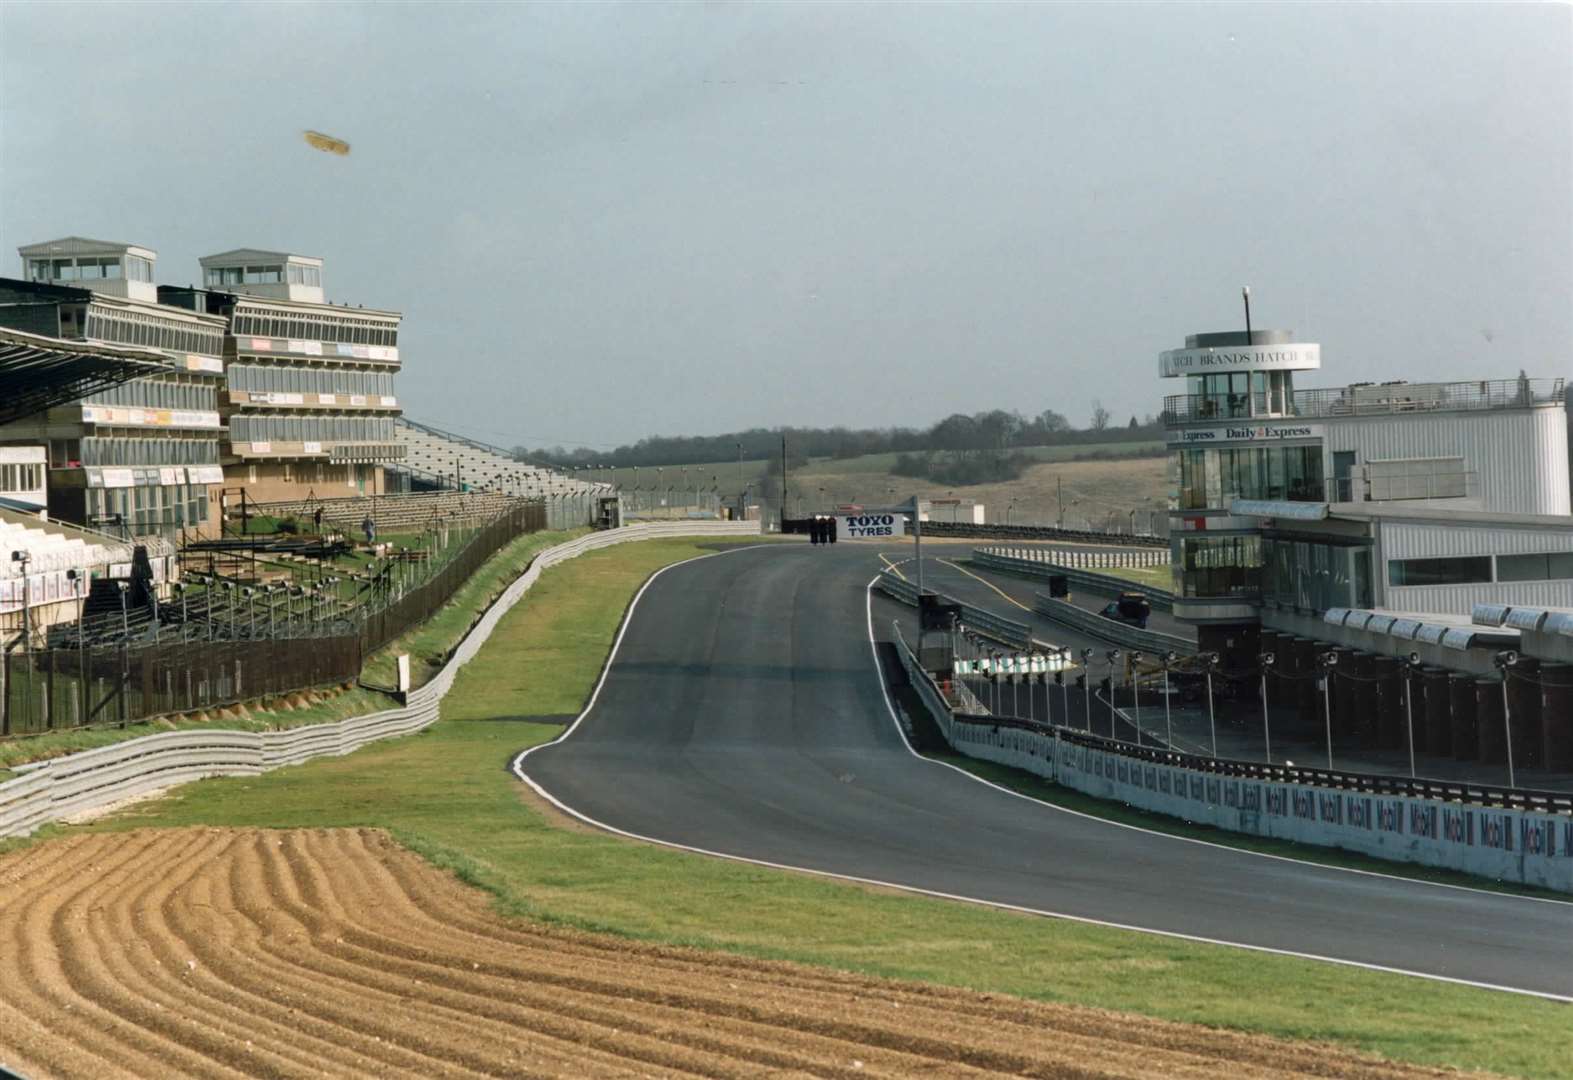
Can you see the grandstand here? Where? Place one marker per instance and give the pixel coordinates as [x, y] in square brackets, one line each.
[49, 551]
[436, 458]
[405, 512]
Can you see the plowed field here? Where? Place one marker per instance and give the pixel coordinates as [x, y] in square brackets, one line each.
[254, 953]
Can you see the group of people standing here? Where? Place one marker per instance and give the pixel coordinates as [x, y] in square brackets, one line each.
[822, 529]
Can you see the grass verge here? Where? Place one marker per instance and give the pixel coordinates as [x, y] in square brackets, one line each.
[447, 794]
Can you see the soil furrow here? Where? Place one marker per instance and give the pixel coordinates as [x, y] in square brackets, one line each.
[248, 952]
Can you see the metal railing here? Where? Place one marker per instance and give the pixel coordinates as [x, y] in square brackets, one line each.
[1007, 632]
[1042, 565]
[1040, 532]
[87, 683]
[1117, 633]
[1370, 399]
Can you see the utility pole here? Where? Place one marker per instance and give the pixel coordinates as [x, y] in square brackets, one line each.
[783, 482]
[741, 490]
[1059, 493]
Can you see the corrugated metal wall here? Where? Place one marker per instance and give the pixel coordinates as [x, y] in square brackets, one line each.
[1520, 457]
[1461, 599]
[1407, 540]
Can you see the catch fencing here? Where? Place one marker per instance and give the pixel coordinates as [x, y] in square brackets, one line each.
[61, 787]
[1508, 834]
[1077, 569]
[1008, 632]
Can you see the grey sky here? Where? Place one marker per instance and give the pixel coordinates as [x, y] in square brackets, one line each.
[607, 221]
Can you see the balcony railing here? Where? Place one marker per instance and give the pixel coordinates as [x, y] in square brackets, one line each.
[1370, 399]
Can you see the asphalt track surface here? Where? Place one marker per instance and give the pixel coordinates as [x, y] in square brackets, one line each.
[743, 714]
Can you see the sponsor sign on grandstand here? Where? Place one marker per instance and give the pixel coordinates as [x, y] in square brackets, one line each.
[357, 399]
[275, 397]
[262, 448]
[864, 526]
[110, 478]
[169, 475]
[125, 417]
[311, 448]
[205, 474]
[310, 348]
[327, 399]
[389, 401]
[262, 344]
[204, 363]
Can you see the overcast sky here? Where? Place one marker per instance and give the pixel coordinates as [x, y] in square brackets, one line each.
[607, 221]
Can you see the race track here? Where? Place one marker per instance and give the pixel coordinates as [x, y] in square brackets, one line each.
[743, 714]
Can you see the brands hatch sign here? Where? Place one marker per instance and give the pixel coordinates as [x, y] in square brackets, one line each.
[1253, 433]
[1289, 357]
[866, 526]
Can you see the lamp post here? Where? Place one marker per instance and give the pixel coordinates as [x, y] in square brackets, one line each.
[1211, 662]
[1328, 661]
[1136, 693]
[1086, 688]
[1065, 691]
[1168, 692]
[1112, 655]
[1410, 670]
[1504, 660]
[1267, 661]
[25, 558]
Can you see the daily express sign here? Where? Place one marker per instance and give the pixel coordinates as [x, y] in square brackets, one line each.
[861, 526]
[1257, 433]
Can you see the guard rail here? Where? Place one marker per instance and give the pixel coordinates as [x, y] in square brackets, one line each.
[940, 529]
[1007, 632]
[1031, 564]
[1118, 633]
[60, 787]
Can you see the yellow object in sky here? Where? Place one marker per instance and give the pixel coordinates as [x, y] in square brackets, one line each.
[327, 142]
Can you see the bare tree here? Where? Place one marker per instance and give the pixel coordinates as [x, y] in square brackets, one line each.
[1100, 416]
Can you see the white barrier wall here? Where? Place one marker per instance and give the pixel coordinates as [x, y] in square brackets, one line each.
[57, 788]
[1506, 845]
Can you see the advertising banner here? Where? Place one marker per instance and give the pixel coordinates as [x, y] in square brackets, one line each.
[870, 526]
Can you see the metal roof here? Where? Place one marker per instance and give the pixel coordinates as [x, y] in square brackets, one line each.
[82, 245]
[253, 254]
[39, 372]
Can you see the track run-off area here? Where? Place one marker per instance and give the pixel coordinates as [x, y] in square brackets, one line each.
[743, 714]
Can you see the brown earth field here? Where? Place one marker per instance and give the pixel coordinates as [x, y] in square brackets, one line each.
[1097, 494]
[221, 952]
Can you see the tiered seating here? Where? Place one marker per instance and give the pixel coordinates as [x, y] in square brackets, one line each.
[437, 456]
[395, 513]
[52, 547]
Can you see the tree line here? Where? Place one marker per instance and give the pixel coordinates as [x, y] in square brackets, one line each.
[989, 435]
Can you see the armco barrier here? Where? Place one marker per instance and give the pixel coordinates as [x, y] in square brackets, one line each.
[1044, 565]
[1119, 633]
[1007, 632]
[57, 788]
[942, 529]
[1504, 834]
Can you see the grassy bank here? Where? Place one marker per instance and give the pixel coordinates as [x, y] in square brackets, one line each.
[447, 794]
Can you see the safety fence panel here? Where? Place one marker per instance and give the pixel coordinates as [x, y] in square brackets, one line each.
[61, 787]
